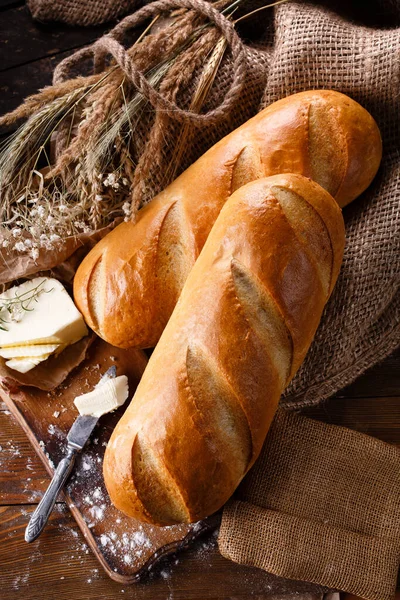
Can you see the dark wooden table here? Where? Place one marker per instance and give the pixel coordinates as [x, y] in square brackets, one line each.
[59, 565]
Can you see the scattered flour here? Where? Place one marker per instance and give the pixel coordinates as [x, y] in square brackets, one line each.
[20, 580]
[165, 574]
[43, 447]
[98, 494]
[97, 512]
[129, 546]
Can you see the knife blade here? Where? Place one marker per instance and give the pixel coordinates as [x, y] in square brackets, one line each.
[77, 437]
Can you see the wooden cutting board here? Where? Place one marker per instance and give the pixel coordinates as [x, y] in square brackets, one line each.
[125, 548]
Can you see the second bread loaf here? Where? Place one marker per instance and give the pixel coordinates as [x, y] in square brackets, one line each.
[242, 326]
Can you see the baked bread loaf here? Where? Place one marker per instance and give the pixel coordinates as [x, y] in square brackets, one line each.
[242, 326]
[127, 286]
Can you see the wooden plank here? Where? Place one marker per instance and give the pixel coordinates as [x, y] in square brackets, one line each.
[18, 83]
[7, 4]
[23, 478]
[17, 26]
[378, 417]
[59, 564]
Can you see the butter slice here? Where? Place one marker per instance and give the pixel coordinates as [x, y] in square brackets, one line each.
[104, 398]
[23, 365]
[51, 319]
[31, 351]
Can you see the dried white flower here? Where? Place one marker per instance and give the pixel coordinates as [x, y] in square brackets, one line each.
[54, 237]
[34, 253]
[20, 246]
[5, 243]
[16, 232]
[41, 211]
[33, 212]
[63, 208]
[98, 198]
[111, 181]
[126, 208]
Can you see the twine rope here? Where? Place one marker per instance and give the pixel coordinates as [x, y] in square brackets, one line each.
[110, 44]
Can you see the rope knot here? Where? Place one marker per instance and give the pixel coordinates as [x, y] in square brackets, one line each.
[110, 44]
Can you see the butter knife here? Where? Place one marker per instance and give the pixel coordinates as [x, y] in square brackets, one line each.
[77, 437]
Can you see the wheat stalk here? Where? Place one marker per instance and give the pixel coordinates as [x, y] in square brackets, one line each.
[95, 118]
[202, 90]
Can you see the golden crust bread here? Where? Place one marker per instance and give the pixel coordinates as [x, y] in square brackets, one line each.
[128, 285]
[241, 328]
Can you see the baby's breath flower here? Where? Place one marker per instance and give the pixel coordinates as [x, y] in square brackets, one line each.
[108, 180]
[34, 253]
[20, 246]
[63, 208]
[98, 198]
[5, 243]
[28, 243]
[34, 231]
[41, 211]
[16, 232]
[126, 208]
[54, 237]
[33, 212]
[111, 181]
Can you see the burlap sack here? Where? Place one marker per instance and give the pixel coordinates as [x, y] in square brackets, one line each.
[314, 48]
[322, 504]
[80, 12]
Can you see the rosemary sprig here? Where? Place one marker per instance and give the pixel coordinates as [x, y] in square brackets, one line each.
[21, 302]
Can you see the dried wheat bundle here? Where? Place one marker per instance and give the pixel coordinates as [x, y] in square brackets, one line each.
[78, 163]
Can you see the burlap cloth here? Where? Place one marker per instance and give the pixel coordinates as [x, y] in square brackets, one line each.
[80, 12]
[322, 503]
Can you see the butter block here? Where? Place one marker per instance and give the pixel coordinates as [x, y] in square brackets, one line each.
[50, 318]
